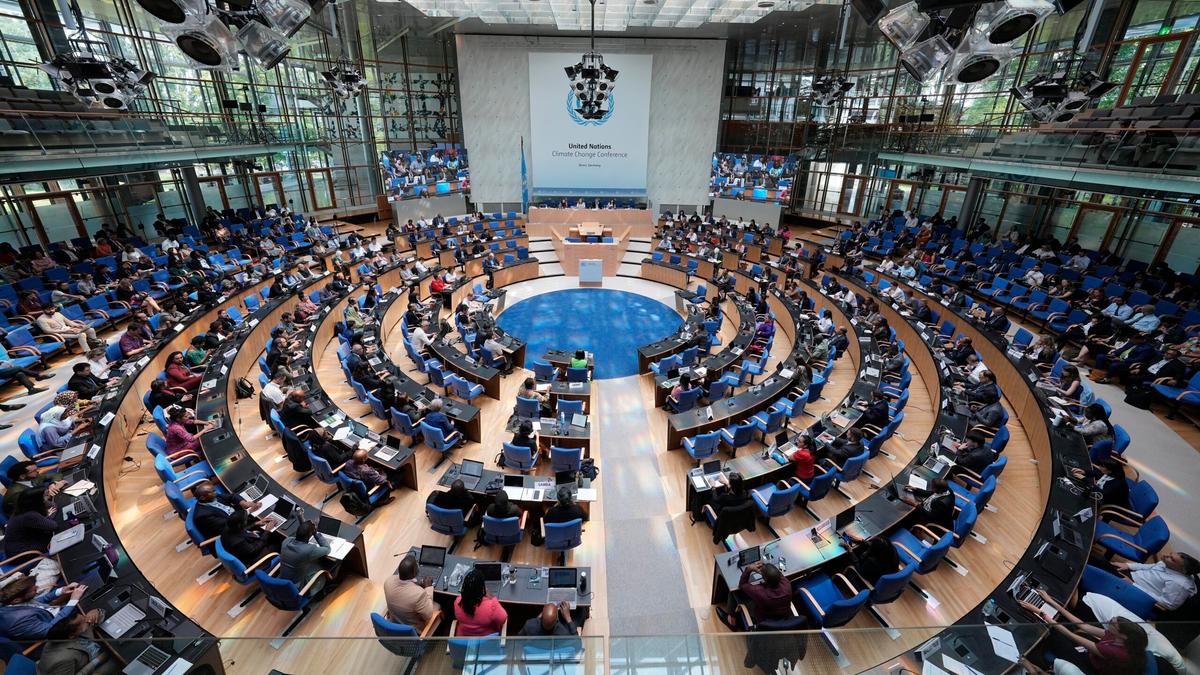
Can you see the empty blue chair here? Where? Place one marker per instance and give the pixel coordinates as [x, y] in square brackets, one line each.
[853, 467]
[242, 573]
[543, 371]
[287, 595]
[403, 424]
[770, 421]
[828, 605]
[450, 522]
[665, 365]
[1138, 546]
[820, 486]
[703, 446]
[402, 639]
[520, 457]
[528, 407]
[979, 496]
[775, 499]
[577, 374]
[738, 435]
[185, 479]
[891, 586]
[462, 388]
[28, 443]
[717, 389]
[570, 406]
[927, 554]
[565, 459]
[563, 537]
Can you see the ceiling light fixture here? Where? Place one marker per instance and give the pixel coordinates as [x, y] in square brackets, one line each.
[592, 81]
[109, 80]
[1056, 98]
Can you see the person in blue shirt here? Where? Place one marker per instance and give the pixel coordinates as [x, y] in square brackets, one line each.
[1144, 320]
[438, 419]
[1119, 308]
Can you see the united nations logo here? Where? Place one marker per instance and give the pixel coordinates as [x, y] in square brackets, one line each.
[584, 114]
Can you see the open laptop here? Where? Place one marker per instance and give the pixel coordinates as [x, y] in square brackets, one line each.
[66, 539]
[431, 560]
[491, 574]
[563, 586]
[470, 472]
[279, 515]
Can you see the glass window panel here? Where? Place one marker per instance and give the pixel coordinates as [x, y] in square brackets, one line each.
[1093, 226]
[1146, 237]
[1184, 255]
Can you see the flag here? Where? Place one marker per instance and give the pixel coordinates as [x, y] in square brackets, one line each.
[524, 181]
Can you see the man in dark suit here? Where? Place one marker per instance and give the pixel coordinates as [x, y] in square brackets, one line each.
[936, 504]
[877, 413]
[300, 556]
[84, 383]
[972, 454]
[959, 352]
[840, 341]
[212, 510]
[295, 411]
[1170, 370]
[989, 415]
[566, 509]
[986, 391]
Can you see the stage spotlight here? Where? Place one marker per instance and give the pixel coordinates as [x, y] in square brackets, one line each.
[113, 82]
[903, 25]
[344, 80]
[829, 90]
[976, 59]
[267, 47]
[285, 16]
[209, 45]
[926, 59]
[1008, 20]
[175, 11]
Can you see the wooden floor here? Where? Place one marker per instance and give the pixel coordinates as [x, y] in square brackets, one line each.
[150, 533]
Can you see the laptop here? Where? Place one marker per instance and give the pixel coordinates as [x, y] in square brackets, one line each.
[563, 586]
[431, 560]
[279, 515]
[470, 472]
[66, 539]
[491, 572]
[329, 525]
[749, 556]
[1061, 531]
[564, 477]
[844, 519]
[72, 453]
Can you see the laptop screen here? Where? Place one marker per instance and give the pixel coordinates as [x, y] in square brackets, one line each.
[563, 577]
[434, 556]
[471, 467]
[284, 508]
[749, 556]
[514, 480]
[712, 467]
[564, 477]
[329, 525]
[393, 442]
[844, 519]
[491, 571]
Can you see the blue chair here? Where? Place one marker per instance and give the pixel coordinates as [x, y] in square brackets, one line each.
[402, 639]
[565, 459]
[463, 389]
[569, 406]
[687, 400]
[979, 496]
[738, 435]
[19, 664]
[403, 424]
[853, 468]
[717, 390]
[187, 478]
[506, 532]
[377, 407]
[325, 473]
[288, 596]
[372, 496]
[891, 586]
[775, 499]
[1139, 546]
[28, 443]
[795, 405]
[1143, 500]
[1096, 580]
[770, 421]
[520, 457]
[822, 483]
[927, 553]
[563, 537]
[688, 356]
[160, 418]
[543, 371]
[436, 439]
[529, 407]
[665, 365]
[830, 606]
[973, 480]
[734, 377]
[242, 573]
[703, 446]
[577, 374]
[450, 522]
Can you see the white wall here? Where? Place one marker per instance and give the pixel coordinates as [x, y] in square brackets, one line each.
[685, 105]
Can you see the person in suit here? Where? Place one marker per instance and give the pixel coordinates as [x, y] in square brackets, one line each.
[26, 615]
[245, 539]
[840, 340]
[31, 527]
[845, 448]
[438, 419]
[300, 556]
[1117, 363]
[326, 448]
[877, 413]
[973, 454]
[1170, 370]
[985, 392]
[876, 559]
[295, 411]
[409, 599]
[212, 510]
[565, 509]
[990, 415]
[960, 350]
[84, 383]
[554, 620]
[936, 504]
[523, 437]
[1108, 476]
[25, 476]
[71, 649]
[405, 405]
[457, 497]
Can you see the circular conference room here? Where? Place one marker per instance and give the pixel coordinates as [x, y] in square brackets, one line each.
[580, 337]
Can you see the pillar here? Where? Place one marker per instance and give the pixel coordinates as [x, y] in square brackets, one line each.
[195, 196]
[966, 216]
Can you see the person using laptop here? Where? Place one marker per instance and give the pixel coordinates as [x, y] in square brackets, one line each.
[25, 476]
[770, 598]
[565, 509]
[30, 530]
[245, 538]
[456, 498]
[326, 448]
[404, 404]
[300, 556]
[478, 612]
[71, 648]
[438, 419]
[295, 411]
[26, 615]
[973, 454]
[409, 599]
[84, 383]
[501, 507]
[213, 510]
[936, 503]
[554, 620]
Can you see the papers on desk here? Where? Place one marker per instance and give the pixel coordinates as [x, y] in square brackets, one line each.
[515, 493]
[929, 668]
[80, 488]
[341, 433]
[917, 483]
[338, 547]
[544, 387]
[387, 453]
[839, 419]
[957, 667]
[1003, 643]
[268, 501]
[108, 417]
[1059, 401]
[178, 327]
[585, 495]
[786, 373]
[871, 372]
[207, 384]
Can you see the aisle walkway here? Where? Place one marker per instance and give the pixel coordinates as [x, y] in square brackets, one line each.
[646, 591]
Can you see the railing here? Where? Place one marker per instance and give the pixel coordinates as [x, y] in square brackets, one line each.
[983, 649]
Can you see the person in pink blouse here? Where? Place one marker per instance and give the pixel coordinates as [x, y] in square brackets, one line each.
[178, 374]
[178, 436]
[478, 612]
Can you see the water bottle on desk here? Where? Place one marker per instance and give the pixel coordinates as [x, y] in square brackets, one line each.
[562, 421]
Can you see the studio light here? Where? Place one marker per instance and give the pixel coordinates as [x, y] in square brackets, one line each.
[175, 11]
[344, 80]
[926, 59]
[829, 90]
[903, 25]
[1003, 22]
[111, 81]
[209, 45]
[1056, 98]
[592, 82]
[285, 16]
[267, 47]
[977, 59]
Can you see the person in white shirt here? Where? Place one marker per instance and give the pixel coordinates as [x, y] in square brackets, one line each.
[1170, 581]
[849, 298]
[974, 369]
[1033, 277]
[274, 391]
[53, 322]
[887, 265]
[825, 324]
[1079, 261]
[419, 267]
[420, 338]
[167, 244]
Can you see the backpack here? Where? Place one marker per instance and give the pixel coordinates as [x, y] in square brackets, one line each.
[353, 505]
[1139, 396]
[243, 388]
[588, 469]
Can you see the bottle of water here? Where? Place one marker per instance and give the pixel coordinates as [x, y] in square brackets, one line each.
[562, 421]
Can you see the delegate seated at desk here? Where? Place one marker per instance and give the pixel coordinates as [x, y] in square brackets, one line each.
[300, 556]
[438, 419]
[212, 510]
[409, 599]
[877, 413]
[478, 612]
[529, 390]
[936, 504]
[26, 615]
[554, 620]
[245, 539]
[565, 509]
[770, 595]
[295, 412]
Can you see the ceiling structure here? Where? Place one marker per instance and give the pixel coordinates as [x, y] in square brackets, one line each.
[611, 15]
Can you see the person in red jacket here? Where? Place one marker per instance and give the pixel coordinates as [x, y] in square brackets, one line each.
[178, 374]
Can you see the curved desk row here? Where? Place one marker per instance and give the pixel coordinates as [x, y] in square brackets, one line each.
[233, 465]
[716, 364]
[1056, 450]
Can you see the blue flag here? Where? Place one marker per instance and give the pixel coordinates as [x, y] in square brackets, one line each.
[524, 181]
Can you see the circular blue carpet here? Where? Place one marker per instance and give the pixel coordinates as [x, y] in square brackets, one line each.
[610, 324]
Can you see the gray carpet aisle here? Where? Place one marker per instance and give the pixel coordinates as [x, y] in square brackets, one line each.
[646, 593]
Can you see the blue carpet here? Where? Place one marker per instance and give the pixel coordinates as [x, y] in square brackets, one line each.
[610, 324]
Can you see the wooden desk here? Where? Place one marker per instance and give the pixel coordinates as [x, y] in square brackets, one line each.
[664, 274]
